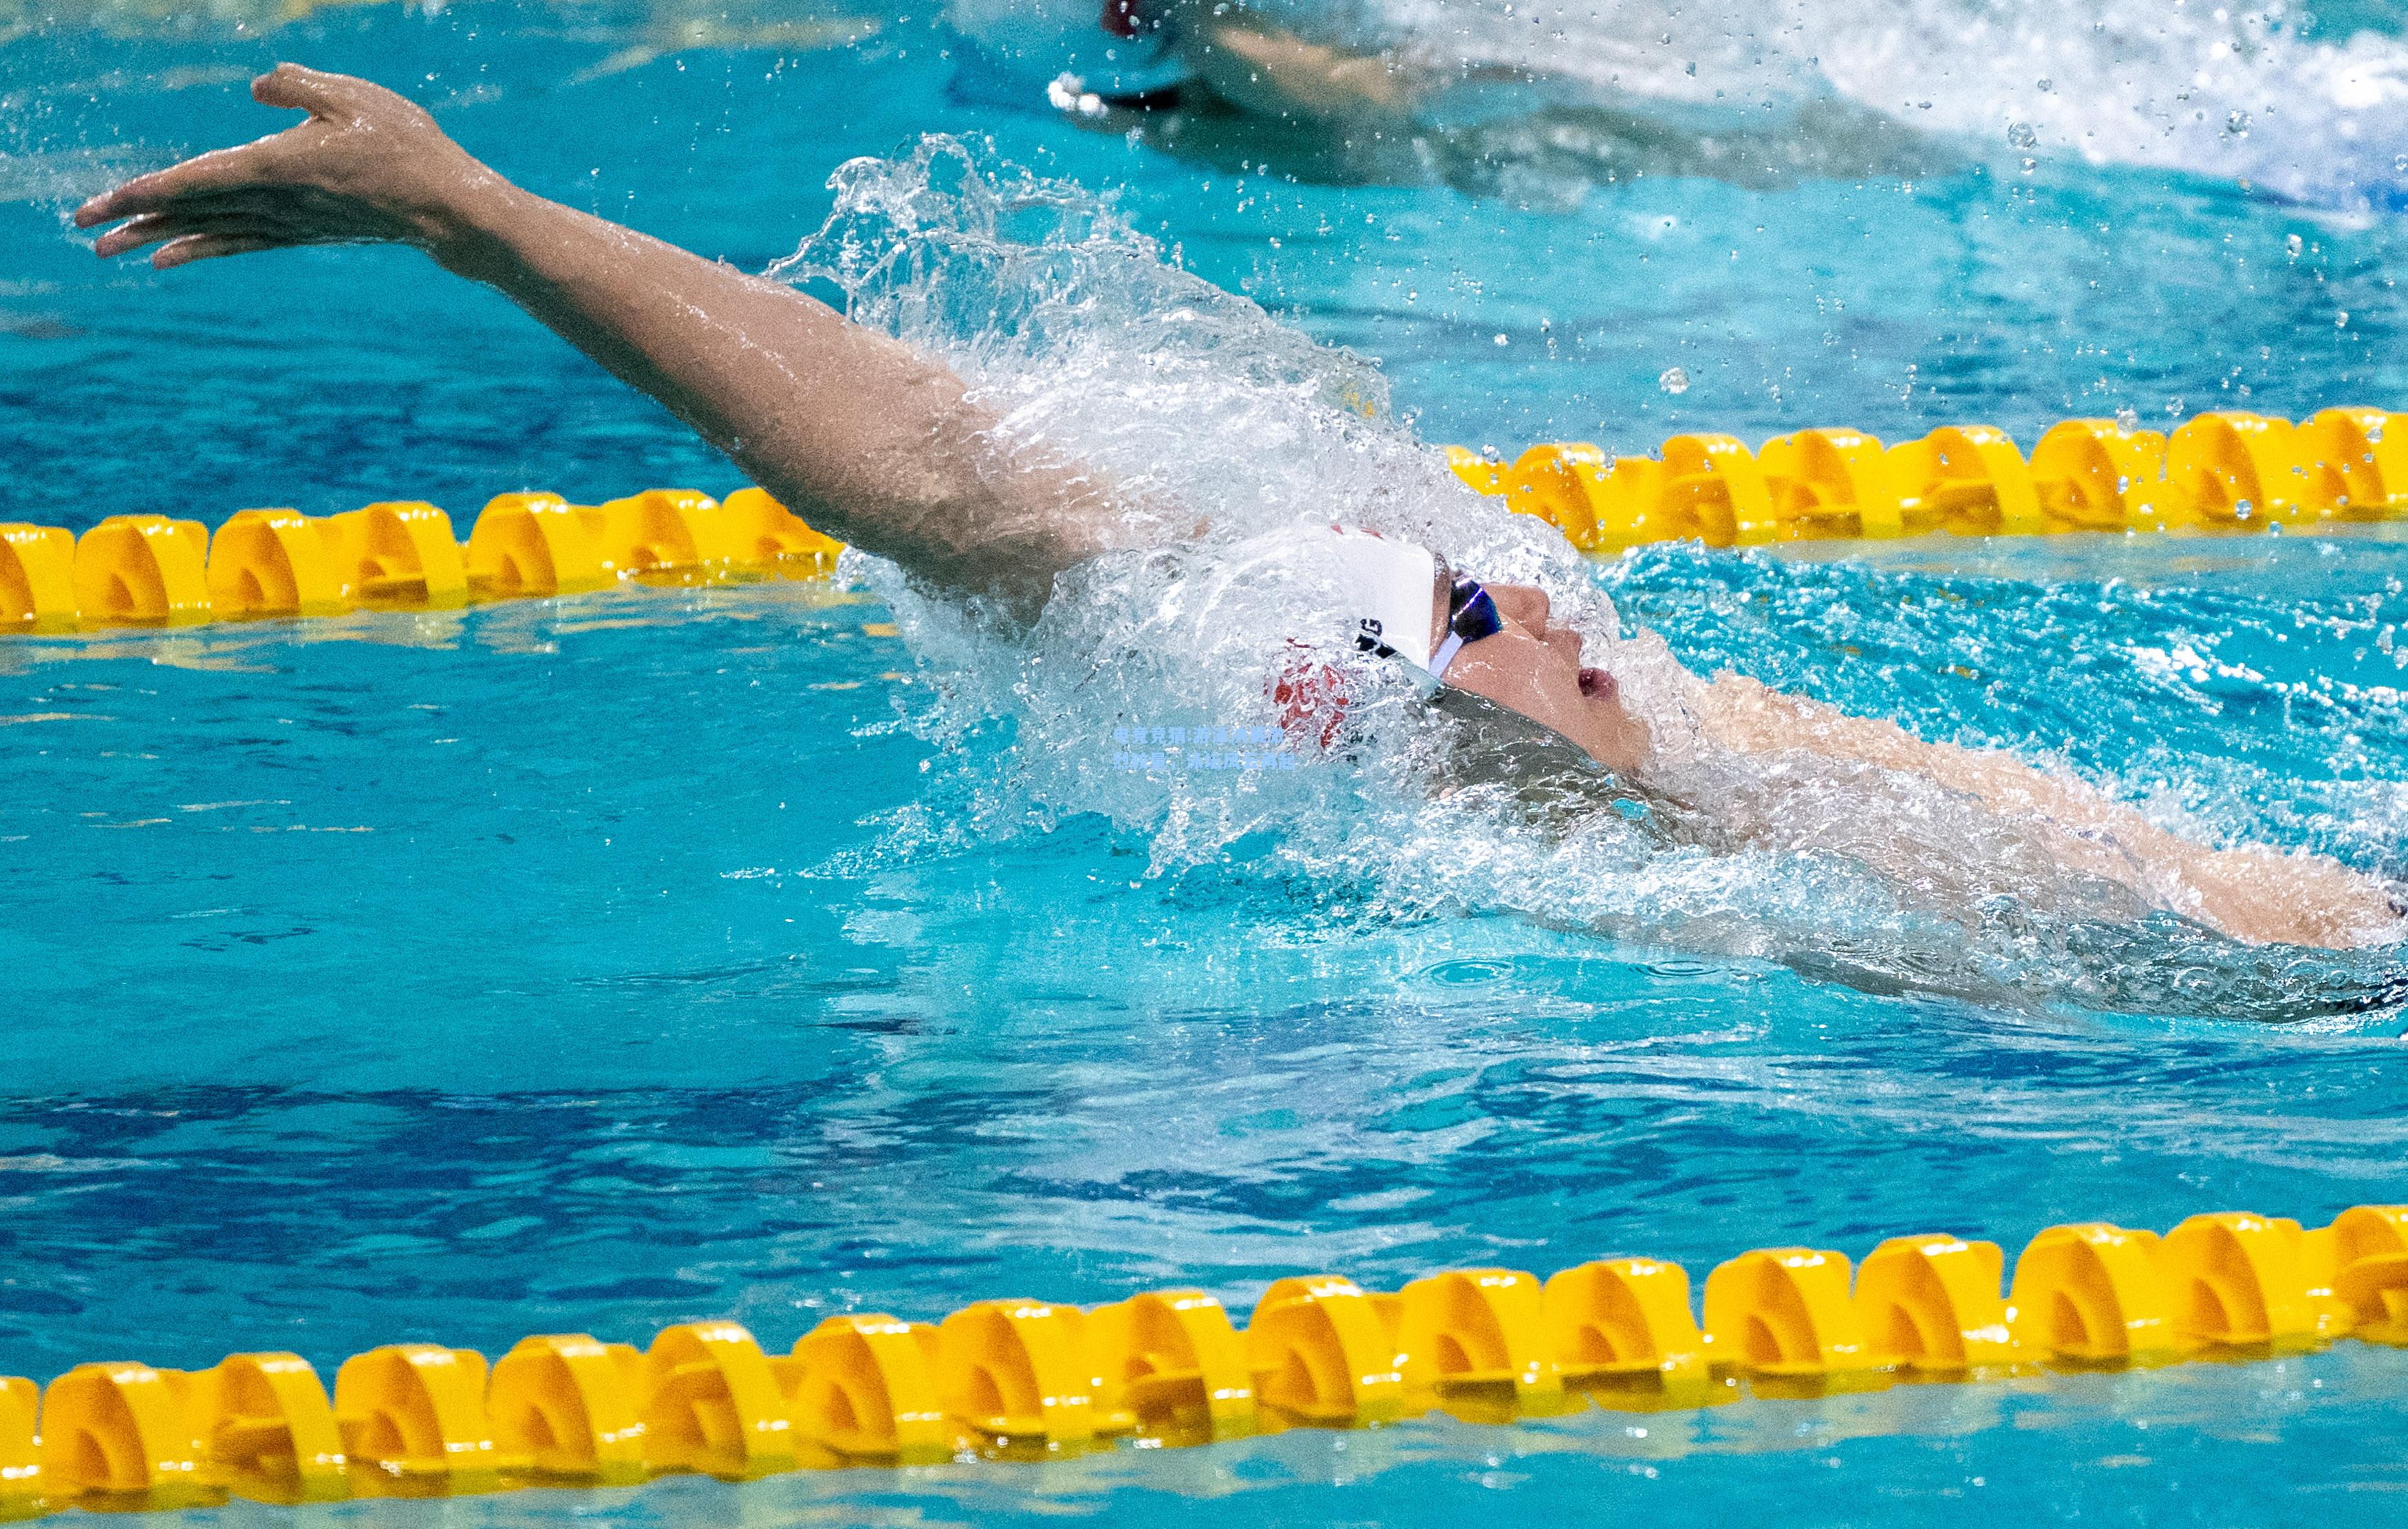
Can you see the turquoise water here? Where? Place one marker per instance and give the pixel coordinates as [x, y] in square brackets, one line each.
[608, 963]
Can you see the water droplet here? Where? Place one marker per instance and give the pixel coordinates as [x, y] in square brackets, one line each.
[2022, 136]
[2341, 320]
[1490, 453]
[2047, 84]
[2242, 509]
[2237, 124]
[2123, 483]
[1502, 340]
[2373, 435]
[2029, 165]
[1674, 381]
[2291, 243]
[2127, 418]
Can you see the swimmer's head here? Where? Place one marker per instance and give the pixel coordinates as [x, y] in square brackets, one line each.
[1131, 18]
[1493, 641]
[1392, 591]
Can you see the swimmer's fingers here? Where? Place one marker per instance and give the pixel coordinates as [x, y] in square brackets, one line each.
[219, 170]
[192, 247]
[134, 233]
[235, 225]
[331, 96]
[148, 220]
[338, 107]
[167, 229]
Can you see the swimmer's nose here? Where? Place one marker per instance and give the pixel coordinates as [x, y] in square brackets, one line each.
[1526, 604]
[1596, 684]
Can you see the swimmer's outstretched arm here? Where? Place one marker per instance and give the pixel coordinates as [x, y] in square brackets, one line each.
[2249, 892]
[864, 437]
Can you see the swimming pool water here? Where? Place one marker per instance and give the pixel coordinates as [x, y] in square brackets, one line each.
[565, 966]
[499, 983]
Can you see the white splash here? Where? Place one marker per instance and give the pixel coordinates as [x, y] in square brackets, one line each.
[1070, 326]
[2228, 90]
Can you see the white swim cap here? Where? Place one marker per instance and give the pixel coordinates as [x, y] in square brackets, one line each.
[1391, 590]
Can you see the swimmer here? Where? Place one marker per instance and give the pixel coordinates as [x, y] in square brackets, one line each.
[1238, 60]
[1341, 98]
[878, 444]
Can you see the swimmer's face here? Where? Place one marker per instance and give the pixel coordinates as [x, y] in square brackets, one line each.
[1534, 669]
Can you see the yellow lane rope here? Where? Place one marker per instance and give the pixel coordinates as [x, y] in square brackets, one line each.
[1023, 1379]
[151, 570]
[2225, 471]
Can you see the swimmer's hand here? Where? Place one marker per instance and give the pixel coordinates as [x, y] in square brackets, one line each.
[368, 167]
[867, 439]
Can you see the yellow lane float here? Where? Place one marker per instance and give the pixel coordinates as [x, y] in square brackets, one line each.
[38, 590]
[151, 570]
[2227, 471]
[1024, 1378]
[142, 570]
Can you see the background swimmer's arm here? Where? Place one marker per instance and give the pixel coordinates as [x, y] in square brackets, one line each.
[859, 435]
[2250, 892]
[1267, 70]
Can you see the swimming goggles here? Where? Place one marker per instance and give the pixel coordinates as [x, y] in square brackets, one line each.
[1471, 615]
[1391, 584]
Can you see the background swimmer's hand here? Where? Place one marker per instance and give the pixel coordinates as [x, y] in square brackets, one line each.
[368, 167]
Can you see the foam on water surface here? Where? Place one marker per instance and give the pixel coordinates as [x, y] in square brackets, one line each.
[2263, 93]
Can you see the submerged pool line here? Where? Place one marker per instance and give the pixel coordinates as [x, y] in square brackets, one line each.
[1023, 1379]
[2221, 471]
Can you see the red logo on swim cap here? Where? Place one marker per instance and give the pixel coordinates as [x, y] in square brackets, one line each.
[1311, 698]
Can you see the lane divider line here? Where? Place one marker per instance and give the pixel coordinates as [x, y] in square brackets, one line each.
[151, 570]
[2224, 471]
[1024, 1378]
